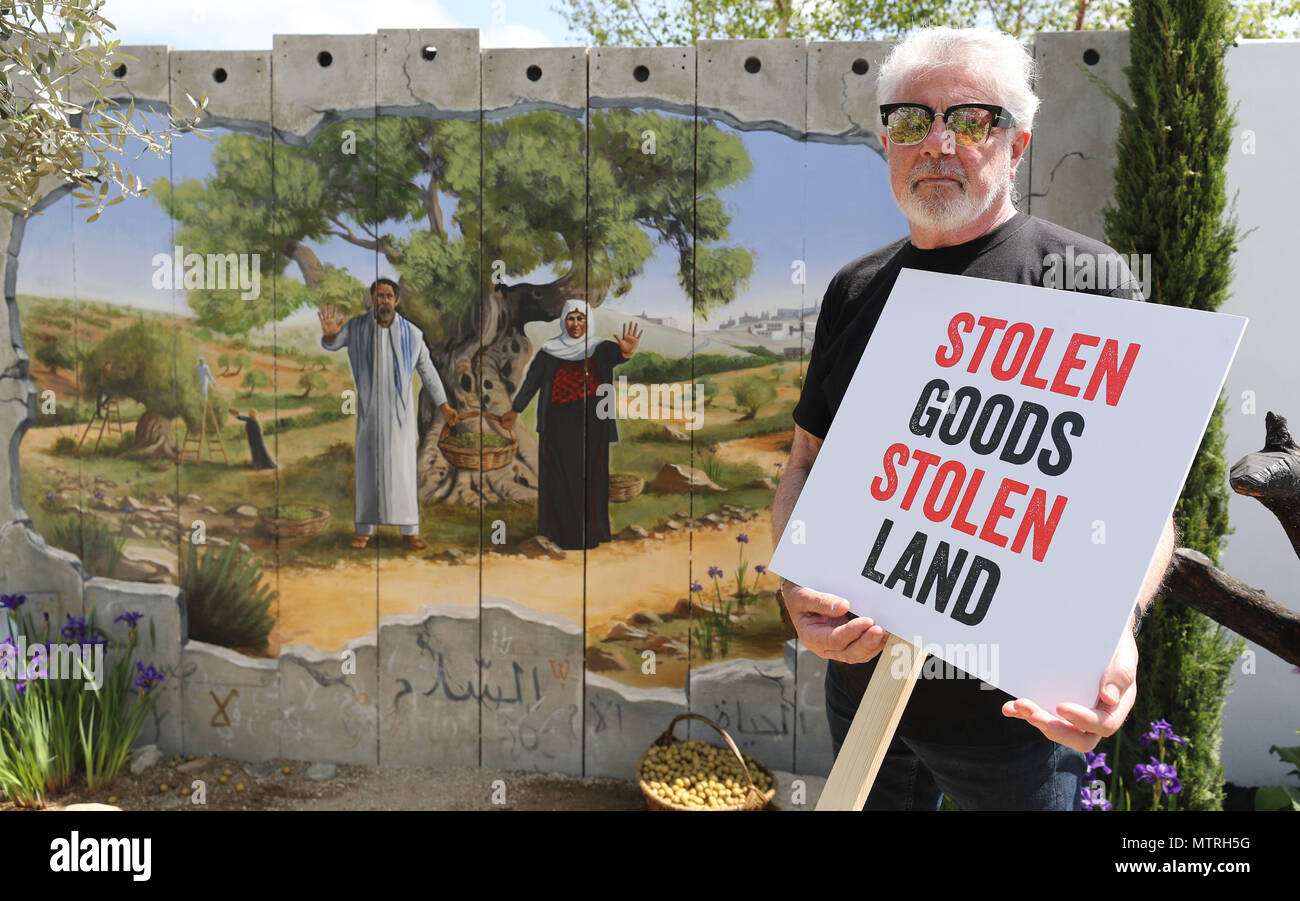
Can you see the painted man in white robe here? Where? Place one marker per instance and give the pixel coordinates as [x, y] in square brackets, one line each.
[384, 349]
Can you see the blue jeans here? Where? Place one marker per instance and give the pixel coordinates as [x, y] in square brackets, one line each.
[915, 775]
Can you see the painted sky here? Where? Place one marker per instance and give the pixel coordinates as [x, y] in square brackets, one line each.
[781, 212]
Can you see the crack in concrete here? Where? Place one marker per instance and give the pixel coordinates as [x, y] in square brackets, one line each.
[1052, 177]
[410, 88]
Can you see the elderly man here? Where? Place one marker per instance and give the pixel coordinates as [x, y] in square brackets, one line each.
[384, 349]
[957, 110]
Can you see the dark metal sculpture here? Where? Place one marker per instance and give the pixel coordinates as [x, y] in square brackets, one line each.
[1271, 476]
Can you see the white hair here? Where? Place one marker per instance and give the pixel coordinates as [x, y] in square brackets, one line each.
[1003, 63]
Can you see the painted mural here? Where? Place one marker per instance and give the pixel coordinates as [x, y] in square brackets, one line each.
[489, 409]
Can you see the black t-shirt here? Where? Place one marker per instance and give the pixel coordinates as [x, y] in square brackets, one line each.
[947, 710]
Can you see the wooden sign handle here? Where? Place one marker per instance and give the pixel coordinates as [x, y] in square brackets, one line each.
[873, 726]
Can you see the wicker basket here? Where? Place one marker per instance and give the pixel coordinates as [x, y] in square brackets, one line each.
[470, 457]
[623, 486]
[294, 528]
[755, 800]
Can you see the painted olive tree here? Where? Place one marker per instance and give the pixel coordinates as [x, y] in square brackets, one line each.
[414, 193]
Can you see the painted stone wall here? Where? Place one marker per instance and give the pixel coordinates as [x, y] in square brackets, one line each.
[697, 201]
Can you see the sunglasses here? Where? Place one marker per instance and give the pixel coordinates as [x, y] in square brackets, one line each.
[970, 123]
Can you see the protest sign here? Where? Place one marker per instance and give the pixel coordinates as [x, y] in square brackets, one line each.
[997, 477]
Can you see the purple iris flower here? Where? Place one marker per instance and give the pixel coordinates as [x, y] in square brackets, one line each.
[12, 601]
[1094, 797]
[1097, 762]
[148, 677]
[696, 586]
[1157, 773]
[715, 572]
[742, 538]
[129, 618]
[760, 568]
[75, 627]
[1161, 730]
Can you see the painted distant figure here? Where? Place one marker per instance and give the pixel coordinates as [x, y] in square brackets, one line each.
[256, 446]
[573, 498]
[103, 395]
[384, 349]
[206, 377]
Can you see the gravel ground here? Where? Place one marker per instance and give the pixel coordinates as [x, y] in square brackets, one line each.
[297, 785]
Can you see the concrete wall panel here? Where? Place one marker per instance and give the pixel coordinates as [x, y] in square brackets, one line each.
[1072, 151]
[842, 90]
[429, 687]
[320, 78]
[538, 78]
[436, 68]
[236, 82]
[160, 633]
[652, 77]
[329, 703]
[772, 96]
[231, 703]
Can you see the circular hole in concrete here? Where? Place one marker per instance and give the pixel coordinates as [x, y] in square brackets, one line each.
[120, 71]
[640, 73]
[753, 64]
[218, 75]
[1091, 57]
[860, 67]
[428, 51]
[534, 72]
[324, 58]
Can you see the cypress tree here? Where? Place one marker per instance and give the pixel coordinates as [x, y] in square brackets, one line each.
[1170, 201]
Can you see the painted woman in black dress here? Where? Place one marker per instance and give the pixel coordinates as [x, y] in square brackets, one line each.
[573, 438]
[256, 446]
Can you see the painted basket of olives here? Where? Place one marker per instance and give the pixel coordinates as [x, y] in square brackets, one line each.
[696, 775]
[293, 520]
[623, 486]
[462, 450]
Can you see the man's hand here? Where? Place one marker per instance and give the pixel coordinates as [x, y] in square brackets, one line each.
[827, 630]
[449, 413]
[1084, 726]
[508, 419]
[631, 338]
[331, 321]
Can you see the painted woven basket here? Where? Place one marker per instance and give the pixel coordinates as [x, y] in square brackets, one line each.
[623, 486]
[491, 458]
[294, 528]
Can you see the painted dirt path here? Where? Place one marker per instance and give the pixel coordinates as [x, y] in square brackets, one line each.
[326, 607]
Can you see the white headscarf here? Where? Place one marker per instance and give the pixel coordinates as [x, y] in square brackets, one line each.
[564, 345]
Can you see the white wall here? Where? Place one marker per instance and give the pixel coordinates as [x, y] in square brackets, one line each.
[1264, 708]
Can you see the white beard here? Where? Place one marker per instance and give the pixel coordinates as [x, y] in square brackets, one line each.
[939, 211]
